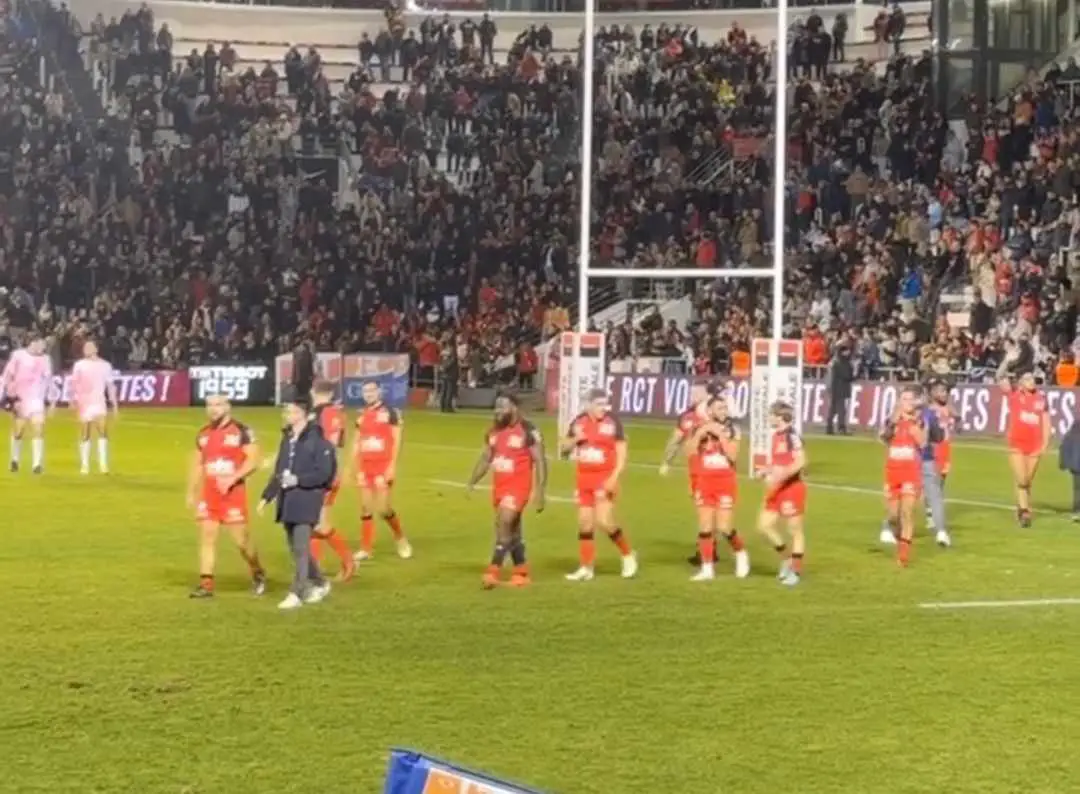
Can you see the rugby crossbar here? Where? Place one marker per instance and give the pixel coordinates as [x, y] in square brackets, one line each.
[682, 272]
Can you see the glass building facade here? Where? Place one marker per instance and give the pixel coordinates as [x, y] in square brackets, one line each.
[987, 47]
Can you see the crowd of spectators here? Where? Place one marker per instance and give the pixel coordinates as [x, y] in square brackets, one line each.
[461, 236]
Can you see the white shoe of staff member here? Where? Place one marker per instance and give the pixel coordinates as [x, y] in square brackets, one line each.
[317, 593]
[629, 566]
[291, 601]
[942, 539]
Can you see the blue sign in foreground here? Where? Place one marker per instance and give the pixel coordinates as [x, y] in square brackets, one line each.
[415, 773]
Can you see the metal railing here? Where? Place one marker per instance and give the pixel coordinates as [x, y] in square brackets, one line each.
[719, 163]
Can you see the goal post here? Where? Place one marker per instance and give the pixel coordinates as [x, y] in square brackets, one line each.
[582, 367]
[779, 373]
[769, 383]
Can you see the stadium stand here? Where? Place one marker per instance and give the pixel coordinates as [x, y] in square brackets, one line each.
[418, 191]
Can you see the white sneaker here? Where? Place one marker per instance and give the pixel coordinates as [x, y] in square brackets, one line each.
[942, 538]
[582, 574]
[629, 566]
[103, 470]
[930, 522]
[785, 569]
[887, 537]
[742, 564]
[361, 556]
[292, 601]
[706, 574]
[317, 593]
[404, 549]
[84, 471]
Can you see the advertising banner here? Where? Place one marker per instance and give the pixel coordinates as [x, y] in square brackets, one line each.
[416, 773]
[389, 370]
[244, 383]
[980, 407]
[164, 388]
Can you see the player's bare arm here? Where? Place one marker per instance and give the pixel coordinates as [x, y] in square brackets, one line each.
[251, 463]
[729, 444]
[622, 452]
[398, 434]
[674, 444]
[483, 463]
[114, 397]
[195, 479]
[539, 455]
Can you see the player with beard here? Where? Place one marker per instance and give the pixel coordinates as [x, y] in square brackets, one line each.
[686, 425]
[514, 452]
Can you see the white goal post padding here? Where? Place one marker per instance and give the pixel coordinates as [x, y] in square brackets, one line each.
[770, 384]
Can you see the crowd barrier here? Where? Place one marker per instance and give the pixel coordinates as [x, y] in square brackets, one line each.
[979, 407]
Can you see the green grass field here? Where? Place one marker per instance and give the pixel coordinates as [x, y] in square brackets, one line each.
[113, 681]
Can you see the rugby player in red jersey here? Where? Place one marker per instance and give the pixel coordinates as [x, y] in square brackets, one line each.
[1028, 436]
[514, 452]
[598, 443]
[717, 446]
[785, 494]
[331, 420]
[376, 448]
[687, 423]
[225, 456]
[904, 436]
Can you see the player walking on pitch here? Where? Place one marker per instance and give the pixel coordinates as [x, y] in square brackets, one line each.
[514, 452]
[598, 444]
[905, 436]
[686, 425]
[331, 421]
[785, 494]
[225, 456]
[25, 385]
[717, 445]
[93, 391]
[1028, 436]
[376, 449]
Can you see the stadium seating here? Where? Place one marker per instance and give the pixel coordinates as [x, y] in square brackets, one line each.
[346, 203]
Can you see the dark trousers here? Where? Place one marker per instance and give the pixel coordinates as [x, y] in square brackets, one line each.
[838, 411]
[447, 392]
[1076, 493]
[306, 572]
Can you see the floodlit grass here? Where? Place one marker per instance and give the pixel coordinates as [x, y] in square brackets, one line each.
[113, 681]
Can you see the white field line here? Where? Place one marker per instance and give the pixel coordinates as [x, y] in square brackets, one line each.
[1031, 602]
[820, 486]
[457, 484]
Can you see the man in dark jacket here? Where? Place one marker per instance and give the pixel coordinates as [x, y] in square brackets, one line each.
[1069, 460]
[841, 376]
[305, 470]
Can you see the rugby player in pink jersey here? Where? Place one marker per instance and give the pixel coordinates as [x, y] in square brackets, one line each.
[25, 385]
[93, 391]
